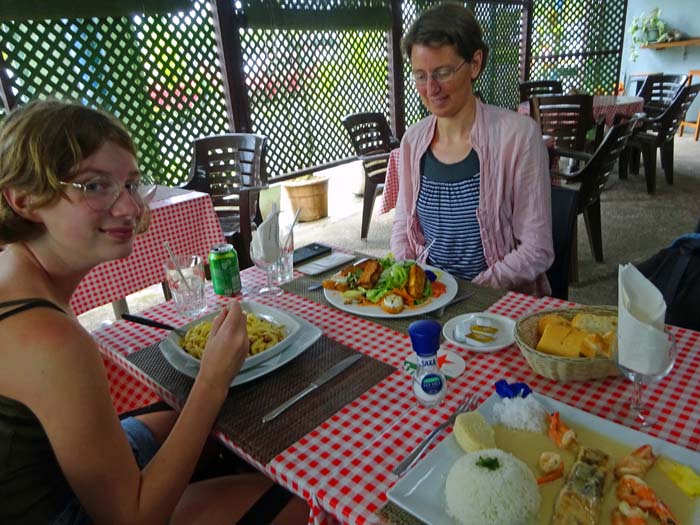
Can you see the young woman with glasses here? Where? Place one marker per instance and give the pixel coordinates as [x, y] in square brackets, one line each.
[473, 178]
[72, 198]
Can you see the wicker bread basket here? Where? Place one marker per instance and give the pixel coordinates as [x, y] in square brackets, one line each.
[562, 368]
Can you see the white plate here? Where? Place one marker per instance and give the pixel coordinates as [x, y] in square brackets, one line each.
[171, 344]
[307, 335]
[421, 492]
[504, 337]
[336, 299]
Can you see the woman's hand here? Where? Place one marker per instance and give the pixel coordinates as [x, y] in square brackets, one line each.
[226, 348]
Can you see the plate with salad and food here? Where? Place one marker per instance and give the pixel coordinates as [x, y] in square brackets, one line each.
[388, 288]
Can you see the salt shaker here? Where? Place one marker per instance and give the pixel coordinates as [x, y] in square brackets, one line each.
[429, 384]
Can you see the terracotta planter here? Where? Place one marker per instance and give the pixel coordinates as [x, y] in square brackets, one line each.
[311, 196]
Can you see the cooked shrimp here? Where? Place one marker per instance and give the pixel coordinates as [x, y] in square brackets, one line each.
[637, 462]
[626, 514]
[561, 434]
[549, 462]
[637, 493]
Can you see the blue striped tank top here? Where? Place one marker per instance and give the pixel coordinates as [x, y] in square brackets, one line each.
[447, 203]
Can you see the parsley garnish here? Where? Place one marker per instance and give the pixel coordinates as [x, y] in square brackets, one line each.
[489, 463]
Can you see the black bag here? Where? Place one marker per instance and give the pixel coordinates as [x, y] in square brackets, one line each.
[675, 271]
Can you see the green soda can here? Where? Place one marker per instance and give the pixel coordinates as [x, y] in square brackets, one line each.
[223, 265]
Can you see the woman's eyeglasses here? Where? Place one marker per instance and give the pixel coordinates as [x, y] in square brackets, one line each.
[101, 193]
[442, 75]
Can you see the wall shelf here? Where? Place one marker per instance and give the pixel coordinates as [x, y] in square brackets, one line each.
[677, 43]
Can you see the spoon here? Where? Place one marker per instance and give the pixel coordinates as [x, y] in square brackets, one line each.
[155, 324]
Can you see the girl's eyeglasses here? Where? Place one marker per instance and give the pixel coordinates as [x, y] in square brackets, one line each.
[101, 193]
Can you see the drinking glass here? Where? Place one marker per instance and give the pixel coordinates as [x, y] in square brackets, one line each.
[643, 366]
[283, 269]
[184, 275]
[268, 266]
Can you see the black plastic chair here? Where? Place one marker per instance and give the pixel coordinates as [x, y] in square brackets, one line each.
[231, 169]
[659, 133]
[592, 178]
[658, 92]
[372, 140]
[564, 213]
[536, 88]
[568, 119]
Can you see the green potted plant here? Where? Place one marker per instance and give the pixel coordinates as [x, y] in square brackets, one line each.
[647, 28]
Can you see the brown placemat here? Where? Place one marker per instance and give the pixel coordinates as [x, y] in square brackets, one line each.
[241, 415]
[392, 513]
[482, 299]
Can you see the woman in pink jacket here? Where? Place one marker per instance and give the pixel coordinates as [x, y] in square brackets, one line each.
[473, 178]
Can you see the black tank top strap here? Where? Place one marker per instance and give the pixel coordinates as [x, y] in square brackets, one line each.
[25, 304]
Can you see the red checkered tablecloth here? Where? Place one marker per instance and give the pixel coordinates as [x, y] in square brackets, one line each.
[343, 467]
[391, 183]
[605, 106]
[186, 220]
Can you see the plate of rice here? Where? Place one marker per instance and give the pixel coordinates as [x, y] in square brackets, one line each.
[270, 331]
[451, 487]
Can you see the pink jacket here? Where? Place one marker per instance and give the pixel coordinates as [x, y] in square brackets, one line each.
[514, 210]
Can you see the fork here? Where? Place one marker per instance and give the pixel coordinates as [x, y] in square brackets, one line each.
[469, 404]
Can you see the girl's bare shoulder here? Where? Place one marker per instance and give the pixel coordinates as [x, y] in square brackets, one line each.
[43, 346]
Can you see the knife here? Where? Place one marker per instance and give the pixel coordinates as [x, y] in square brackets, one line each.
[320, 380]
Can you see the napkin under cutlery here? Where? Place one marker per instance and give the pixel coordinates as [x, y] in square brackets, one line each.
[642, 342]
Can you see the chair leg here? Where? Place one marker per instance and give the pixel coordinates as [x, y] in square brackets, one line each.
[634, 160]
[649, 154]
[667, 160]
[591, 216]
[367, 206]
[623, 163]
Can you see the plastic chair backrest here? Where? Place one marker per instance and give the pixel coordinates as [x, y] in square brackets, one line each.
[535, 88]
[667, 123]
[658, 91]
[594, 174]
[566, 118]
[222, 164]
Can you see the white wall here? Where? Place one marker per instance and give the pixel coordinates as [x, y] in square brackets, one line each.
[683, 15]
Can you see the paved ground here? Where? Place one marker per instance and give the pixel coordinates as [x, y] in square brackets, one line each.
[635, 226]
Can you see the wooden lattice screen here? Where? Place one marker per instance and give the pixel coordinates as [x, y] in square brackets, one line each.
[579, 43]
[161, 74]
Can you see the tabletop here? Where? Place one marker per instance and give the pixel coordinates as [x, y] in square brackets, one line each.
[343, 466]
[184, 218]
[606, 106]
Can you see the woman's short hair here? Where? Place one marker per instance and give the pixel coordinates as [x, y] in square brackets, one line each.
[42, 144]
[447, 24]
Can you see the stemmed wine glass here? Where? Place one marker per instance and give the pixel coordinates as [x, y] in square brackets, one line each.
[268, 263]
[643, 365]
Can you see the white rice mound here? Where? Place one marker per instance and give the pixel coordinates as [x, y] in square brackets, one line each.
[520, 414]
[478, 496]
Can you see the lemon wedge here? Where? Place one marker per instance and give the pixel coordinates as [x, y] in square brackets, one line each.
[473, 432]
[681, 475]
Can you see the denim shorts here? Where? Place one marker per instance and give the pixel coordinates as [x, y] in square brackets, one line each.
[144, 447]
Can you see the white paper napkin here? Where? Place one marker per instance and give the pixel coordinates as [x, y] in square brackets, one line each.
[266, 238]
[643, 345]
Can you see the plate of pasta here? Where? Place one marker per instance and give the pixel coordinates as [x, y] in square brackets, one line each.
[270, 331]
